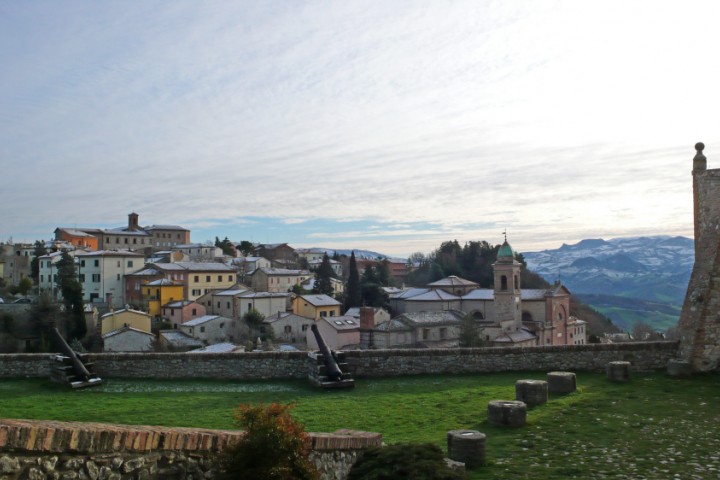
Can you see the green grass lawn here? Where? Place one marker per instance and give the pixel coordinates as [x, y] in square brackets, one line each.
[651, 427]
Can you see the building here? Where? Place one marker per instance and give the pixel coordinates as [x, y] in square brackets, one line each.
[280, 254]
[160, 292]
[506, 313]
[239, 300]
[337, 286]
[177, 341]
[128, 339]
[439, 329]
[245, 266]
[118, 319]
[182, 311]
[287, 327]
[77, 238]
[316, 306]
[210, 329]
[198, 278]
[277, 279]
[339, 333]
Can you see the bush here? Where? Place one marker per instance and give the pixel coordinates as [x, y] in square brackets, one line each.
[418, 462]
[274, 447]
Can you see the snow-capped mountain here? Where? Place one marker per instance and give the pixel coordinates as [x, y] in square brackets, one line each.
[654, 271]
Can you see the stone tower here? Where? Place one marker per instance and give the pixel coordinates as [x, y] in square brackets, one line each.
[506, 272]
[699, 324]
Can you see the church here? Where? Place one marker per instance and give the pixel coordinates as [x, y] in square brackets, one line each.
[506, 314]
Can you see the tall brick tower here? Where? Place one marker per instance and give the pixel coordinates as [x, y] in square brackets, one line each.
[699, 324]
[506, 272]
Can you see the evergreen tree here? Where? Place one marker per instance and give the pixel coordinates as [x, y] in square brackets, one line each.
[38, 251]
[352, 289]
[72, 296]
[371, 290]
[323, 277]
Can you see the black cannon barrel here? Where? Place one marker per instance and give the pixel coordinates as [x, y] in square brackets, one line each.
[333, 370]
[77, 365]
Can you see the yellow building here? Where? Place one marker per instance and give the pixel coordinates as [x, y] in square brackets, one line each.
[125, 318]
[316, 306]
[161, 292]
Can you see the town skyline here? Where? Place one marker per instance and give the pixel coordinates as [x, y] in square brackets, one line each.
[382, 127]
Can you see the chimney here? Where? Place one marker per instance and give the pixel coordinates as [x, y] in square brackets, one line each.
[367, 318]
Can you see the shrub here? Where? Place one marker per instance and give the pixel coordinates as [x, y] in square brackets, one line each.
[418, 462]
[274, 447]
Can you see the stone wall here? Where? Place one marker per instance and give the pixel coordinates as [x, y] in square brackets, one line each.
[72, 450]
[645, 356]
[699, 323]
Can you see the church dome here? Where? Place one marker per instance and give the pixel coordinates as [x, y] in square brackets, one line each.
[506, 251]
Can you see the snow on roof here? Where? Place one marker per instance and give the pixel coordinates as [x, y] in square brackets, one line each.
[480, 294]
[204, 319]
[343, 322]
[320, 300]
[129, 310]
[178, 304]
[521, 335]
[126, 329]
[283, 271]
[392, 325]
[179, 338]
[443, 317]
[433, 296]
[166, 227]
[225, 347]
[452, 281]
[411, 292]
[533, 294]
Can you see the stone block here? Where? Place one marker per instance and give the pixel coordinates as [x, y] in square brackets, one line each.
[618, 371]
[561, 382]
[467, 446]
[509, 413]
[531, 392]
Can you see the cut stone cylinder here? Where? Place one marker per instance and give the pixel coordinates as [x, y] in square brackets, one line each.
[532, 392]
[618, 371]
[679, 368]
[467, 446]
[509, 413]
[561, 382]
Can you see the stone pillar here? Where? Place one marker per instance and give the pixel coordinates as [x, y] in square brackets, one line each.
[507, 413]
[561, 382]
[532, 392]
[467, 446]
[679, 368]
[618, 371]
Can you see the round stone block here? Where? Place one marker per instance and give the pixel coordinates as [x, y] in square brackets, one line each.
[561, 382]
[508, 413]
[532, 392]
[679, 368]
[618, 371]
[467, 446]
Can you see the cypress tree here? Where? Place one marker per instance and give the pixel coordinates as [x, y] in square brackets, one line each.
[352, 289]
[323, 276]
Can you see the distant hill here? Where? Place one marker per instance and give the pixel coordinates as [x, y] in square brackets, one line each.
[367, 254]
[628, 279]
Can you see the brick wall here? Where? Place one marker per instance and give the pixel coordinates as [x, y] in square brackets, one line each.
[645, 356]
[49, 449]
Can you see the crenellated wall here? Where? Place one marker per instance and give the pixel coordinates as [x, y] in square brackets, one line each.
[74, 450]
[645, 356]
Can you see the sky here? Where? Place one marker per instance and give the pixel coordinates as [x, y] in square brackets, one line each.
[382, 125]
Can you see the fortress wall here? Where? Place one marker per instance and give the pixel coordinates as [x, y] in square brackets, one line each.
[644, 356]
[699, 323]
[50, 449]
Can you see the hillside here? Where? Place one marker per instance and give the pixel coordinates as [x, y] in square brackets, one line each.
[628, 279]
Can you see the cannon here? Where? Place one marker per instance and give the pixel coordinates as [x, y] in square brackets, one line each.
[76, 373]
[327, 374]
[333, 371]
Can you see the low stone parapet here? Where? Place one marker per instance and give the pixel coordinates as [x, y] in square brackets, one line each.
[49, 449]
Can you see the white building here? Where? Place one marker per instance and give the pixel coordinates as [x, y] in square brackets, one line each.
[211, 329]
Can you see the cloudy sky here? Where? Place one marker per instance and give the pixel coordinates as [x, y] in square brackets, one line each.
[383, 125]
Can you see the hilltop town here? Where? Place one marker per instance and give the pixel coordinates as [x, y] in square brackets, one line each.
[149, 288]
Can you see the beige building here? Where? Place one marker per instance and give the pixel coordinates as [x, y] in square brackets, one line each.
[339, 333]
[316, 306]
[288, 327]
[277, 280]
[128, 339]
[211, 329]
[125, 318]
[199, 278]
[236, 302]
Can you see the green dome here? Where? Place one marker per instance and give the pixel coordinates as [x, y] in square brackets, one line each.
[506, 251]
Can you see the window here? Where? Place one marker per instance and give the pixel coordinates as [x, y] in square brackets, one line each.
[82, 263]
[129, 263]
[517, 283]
[196, 291]
[222, 325]
[42, 278]
[207, 278]
[197, 278]
[219, 278]
[96, 277]
[202, 329]
[230, 279]
[305, 327]
[288, 329]
[125, 240]
[81, 277]
[117, 240]
[194, 311]
[118, 263]
[323, 314]
[503, 283]
[218, 304]
[425, 333]
[332, 313]
[227, 305]
[443, 333]
[118, 277]
[134, 241]
[249, 306]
